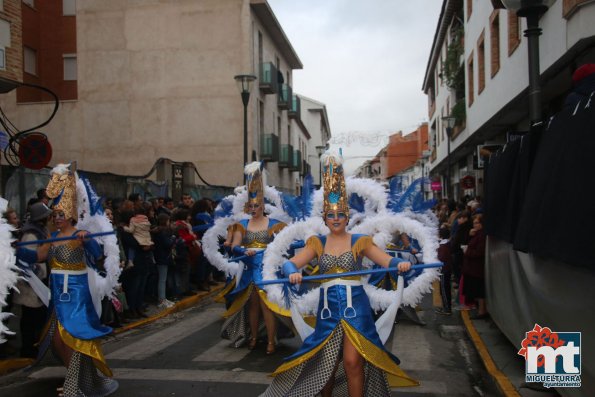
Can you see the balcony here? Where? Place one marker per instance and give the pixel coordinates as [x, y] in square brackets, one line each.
[269, 147]
[268, 78]
[294, 109]
[286, 156]
[306, 168]
[285, 97]
[296, 164]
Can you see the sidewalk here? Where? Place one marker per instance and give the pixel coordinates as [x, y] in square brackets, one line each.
[500, 358]
[155, 313]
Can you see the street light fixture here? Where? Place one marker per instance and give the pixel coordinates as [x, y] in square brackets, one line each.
[320, 151]
[450, 123]
[532, 10]
[245, 85]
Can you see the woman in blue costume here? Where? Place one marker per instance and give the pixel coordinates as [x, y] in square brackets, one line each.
[344, 355]
[73, 330]
[246, 302]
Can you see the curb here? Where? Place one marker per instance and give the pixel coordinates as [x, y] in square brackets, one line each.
[179, 306]
[11, 365]
[504, 385]
[14, 364]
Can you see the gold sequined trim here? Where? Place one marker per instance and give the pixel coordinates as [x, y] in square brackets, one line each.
[272, 306]
[220, 297]
[238, 227]
[256, 244]
[376, 356]
[314, 243]
[360, 245]
[276, 228]
[91, 348]
[239, 302]
[58, 265]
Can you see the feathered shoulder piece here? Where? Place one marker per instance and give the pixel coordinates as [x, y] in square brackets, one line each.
[359, 243]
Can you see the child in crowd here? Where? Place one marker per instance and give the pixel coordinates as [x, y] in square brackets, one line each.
[140, 228]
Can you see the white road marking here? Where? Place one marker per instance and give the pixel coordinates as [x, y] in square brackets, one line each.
[161, 340]
[221, 351]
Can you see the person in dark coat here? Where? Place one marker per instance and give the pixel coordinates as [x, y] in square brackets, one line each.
[474, 267]
[445, 257]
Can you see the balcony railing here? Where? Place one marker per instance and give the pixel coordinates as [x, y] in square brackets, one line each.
[286, 156]
[269, 147]
[268, 82]
[296, 165]
[306, 168]
[285, 96]
[294, 109]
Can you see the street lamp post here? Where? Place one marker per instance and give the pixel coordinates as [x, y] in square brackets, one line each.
[450, 123]
[245, 85]
[320, 150]
[532, 10]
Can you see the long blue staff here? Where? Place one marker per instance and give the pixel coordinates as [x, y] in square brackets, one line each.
[294, 245]
[241, 258]
[348, 274]
[73, 237]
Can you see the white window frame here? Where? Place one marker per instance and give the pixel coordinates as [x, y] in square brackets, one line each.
[2, 58]
[30, 3]
[65, 58]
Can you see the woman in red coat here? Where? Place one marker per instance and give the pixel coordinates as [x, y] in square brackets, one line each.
[473, 267]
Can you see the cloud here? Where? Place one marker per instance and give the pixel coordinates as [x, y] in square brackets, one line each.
[364, 60]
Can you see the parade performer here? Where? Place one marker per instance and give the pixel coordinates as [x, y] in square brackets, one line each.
[74, 328]
[344, 354]
[244, 301]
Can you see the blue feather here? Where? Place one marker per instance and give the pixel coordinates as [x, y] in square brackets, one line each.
[224, 209]
[307, 195]
[94, 199]
[356, 202]
[291, 206]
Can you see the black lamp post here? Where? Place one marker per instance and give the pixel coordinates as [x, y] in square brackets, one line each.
[450, 123]
[320, 150]
[532, 10]
[245, 85]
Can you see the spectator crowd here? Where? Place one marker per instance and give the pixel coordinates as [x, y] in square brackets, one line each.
[160, 256]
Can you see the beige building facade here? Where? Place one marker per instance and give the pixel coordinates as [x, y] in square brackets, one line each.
[156, 81]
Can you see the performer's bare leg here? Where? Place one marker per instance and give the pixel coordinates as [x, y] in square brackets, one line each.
[271, 325]
[253, 317]
[353, 363]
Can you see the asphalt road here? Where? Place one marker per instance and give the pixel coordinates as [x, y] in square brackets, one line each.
[182, 355]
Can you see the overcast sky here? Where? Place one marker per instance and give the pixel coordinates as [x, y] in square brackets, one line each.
[366, 61]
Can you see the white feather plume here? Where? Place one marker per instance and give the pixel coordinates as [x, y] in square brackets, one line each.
[9, 272]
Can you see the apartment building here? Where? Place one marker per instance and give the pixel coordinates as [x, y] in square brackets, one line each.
[140, 82]
[477, 73]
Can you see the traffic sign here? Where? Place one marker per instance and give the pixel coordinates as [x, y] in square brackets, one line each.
[35, 151]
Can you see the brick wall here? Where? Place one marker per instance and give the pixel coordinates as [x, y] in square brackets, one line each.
[51, 35]
[14, 53]
[494, 42]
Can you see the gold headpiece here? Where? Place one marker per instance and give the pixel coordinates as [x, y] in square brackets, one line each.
[335, 194]
[254, 184]
[62, 188]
